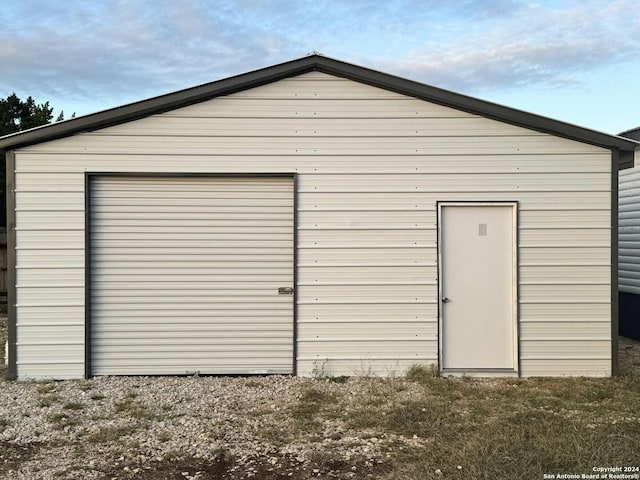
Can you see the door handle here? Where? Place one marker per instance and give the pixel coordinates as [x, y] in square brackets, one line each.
[285, 291]
[445, 300]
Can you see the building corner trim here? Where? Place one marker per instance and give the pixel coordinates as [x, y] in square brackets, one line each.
[615, 157]
[12, 370]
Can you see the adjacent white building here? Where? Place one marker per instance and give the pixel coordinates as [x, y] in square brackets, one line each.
[629, 244]
[312, 216]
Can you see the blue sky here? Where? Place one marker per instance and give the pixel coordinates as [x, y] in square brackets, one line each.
[576, 61]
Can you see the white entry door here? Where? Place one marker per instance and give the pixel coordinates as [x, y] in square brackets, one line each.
[478, 305]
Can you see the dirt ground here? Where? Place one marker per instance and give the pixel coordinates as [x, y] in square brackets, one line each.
[3, 339]
[628, 355]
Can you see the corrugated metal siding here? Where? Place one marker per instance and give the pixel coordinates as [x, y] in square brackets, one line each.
[185, 277]
[371, 166]
[629, 231]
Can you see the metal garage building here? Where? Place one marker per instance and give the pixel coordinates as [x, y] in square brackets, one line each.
[312, 216]
[629, 245]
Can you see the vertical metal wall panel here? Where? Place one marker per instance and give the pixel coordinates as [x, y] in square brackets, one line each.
[629, 231]
[185, 277]
[371, 166]
[629, 253]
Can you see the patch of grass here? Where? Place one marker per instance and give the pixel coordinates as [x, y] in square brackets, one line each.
[4, 423]
[520, 446]
[380, 392]
[69, 471]
[133, 445]
[97, 397]
[110, 434]
[48, 400]
[46, 387]
[326, 461]
[134, 409]
[13, 455]
[62, 420]
[311, 402]
[421, 374]
[117, 453]
[79, 450]
[173, 416]
[172, 456]
[46, 394]
[430, 379]
[425, 417]
[578, 390]
[516, 428]
[259, 412]
[73, 406]
[318, 370]
[274, 435]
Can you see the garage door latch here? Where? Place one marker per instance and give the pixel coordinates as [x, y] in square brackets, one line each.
[285, 291]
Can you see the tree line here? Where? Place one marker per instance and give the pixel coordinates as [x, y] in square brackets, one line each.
[17, 115]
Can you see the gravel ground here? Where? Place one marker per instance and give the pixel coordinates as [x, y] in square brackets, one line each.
[203, 427]
[192, 428]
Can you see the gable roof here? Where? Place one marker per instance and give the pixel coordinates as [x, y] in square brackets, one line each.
[314, 62]
[633, 133]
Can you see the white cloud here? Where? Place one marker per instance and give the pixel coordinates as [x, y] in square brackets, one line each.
[535, 45]
[106, 53]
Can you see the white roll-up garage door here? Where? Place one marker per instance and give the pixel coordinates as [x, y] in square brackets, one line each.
[185, 273]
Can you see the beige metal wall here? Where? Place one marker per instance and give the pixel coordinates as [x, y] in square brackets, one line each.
[371, 166]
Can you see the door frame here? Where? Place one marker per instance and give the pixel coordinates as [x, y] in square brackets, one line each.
[515, 291]
[91, 177]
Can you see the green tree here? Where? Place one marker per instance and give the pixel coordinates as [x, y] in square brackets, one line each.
[17, 115]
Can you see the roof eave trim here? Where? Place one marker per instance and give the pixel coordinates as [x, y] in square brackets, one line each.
[299, 66]
[481, 107]
[155, 105]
